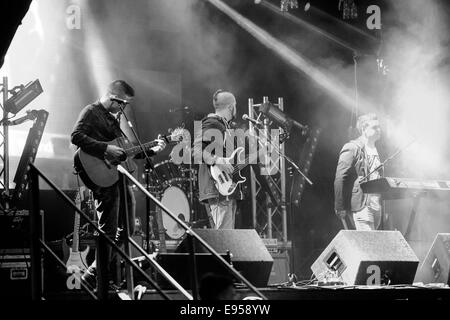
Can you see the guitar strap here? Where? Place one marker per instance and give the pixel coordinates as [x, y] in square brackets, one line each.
[120, 129]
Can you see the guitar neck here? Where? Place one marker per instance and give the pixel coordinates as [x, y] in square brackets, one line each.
[249, 159]
[76, 223]
[76, 229]
[137, 149]
[253, 157]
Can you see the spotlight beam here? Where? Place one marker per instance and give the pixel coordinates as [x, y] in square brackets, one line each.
[325, 80]
[307, 25]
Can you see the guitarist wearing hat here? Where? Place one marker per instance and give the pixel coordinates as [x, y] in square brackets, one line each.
[98, 124]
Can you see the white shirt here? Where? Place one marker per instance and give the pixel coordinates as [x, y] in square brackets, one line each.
[373, 160]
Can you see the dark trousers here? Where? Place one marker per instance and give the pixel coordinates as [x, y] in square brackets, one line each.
[110, 206]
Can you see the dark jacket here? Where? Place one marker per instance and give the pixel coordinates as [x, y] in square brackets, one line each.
[206, 187]
[94, 128]
[352, 166]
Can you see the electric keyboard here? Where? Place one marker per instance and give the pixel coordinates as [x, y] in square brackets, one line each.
[399, 188]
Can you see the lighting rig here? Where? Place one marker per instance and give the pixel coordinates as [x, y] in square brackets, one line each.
[14, 100]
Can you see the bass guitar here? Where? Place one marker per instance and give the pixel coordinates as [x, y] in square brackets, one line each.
[103, 172]
[226, 183]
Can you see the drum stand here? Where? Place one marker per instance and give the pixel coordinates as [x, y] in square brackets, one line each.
[147, 169]
[191, 189]
[195, 221]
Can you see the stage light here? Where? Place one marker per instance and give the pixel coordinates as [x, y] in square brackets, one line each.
[285, 4]
[280, 118]
[348, 8]
[22, 96]
[29, 155]
[307, 6]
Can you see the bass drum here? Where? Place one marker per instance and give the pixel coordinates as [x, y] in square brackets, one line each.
[175, 199]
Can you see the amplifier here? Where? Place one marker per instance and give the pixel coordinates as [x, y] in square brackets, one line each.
[15, 273]
[15, 228]
[280, 268]
[274, 246]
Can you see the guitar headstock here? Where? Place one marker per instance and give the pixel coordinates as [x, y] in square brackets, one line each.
[177, 135]
[78, 200]
[79, 196]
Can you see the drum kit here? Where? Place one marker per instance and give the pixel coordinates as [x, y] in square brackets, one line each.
[174, 185]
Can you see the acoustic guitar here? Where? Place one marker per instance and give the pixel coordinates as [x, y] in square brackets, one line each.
[103, 172]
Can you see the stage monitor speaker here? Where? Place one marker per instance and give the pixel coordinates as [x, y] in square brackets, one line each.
[249, 255]
[367, 258]
[179, 266]
[436, 265]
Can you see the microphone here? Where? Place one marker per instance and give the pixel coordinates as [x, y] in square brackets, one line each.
[179, 109]
[122, 101]
[31, 115]
[254, 121]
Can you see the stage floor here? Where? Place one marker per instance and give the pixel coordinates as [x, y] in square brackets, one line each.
[311, 292]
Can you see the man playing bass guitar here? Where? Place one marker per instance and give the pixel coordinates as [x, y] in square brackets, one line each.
[222, 209]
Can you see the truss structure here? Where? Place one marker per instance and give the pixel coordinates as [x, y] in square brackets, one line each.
[268, 184]
[4, 158]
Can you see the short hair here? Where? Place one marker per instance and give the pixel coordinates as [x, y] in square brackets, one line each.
[223, 99]
[121, 88]
[363, 120]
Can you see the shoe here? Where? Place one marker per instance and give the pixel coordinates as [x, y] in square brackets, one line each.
[114, 287]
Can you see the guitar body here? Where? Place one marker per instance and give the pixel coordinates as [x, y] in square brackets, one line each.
[224, 182]
[77, 259]
[103, 172]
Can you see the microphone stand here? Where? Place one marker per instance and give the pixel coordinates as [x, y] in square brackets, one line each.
[381, 165]
[292, 275]
[285, 157]
[148, 166]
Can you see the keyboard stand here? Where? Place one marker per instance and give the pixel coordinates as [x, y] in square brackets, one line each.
[416, 201]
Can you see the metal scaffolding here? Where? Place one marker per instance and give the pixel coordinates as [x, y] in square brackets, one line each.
[268, 186]
[21, 97]
[4, 156]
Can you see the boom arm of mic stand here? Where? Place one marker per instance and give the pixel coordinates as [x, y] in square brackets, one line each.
[285, 157]
[387, 160]
[297, 168]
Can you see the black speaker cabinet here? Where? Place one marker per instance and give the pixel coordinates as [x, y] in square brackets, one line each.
[249, 255]
[367, 258]
[15, 273]
[179, 266]
[436, 265]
